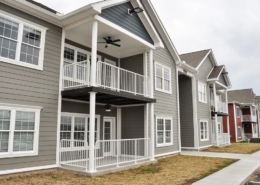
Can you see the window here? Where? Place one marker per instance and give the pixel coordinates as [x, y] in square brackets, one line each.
[21, 43]
[238, 111]
[202, 89]
[19, 131]
[239, 132]
[73, 54]
[204, 130]
[164, 131]
[162, 78]
[76, 127]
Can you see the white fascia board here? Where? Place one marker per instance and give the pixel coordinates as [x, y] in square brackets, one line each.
[108, 4]
[204, 59]
[161, 29]
[148, 25]
[183, 65]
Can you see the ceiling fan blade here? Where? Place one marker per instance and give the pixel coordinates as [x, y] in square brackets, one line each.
[116, 44]
[118, 40]
[105, 38]
[102, 42]
[106, 46]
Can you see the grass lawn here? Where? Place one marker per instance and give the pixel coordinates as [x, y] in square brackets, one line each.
[177, 170]
[239, 148]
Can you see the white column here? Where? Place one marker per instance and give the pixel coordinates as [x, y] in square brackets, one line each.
[118, 120]
[151, 105]
[227, 117]
[146, 127]
[92, 108]
[195, 114]
[94, 53]
[178, 109]
[216, 116]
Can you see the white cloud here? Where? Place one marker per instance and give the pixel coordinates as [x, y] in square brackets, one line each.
[231, 28]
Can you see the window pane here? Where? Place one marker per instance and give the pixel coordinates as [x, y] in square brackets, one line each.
[65, 135]
[69, 55]
[166, 85]
[79, 124]
[5, 119]
[159, 82]
[29, 54]
[159, 137]
[65, 123]
[160, 125]
[167, 74]
[168, 137]
[31, 36]
[24, 120]
[8, 28]
[23, 141]
[79, 136]
[81, 57]
[159, 72]
[7, 48]
[4, 137]
[168, 125]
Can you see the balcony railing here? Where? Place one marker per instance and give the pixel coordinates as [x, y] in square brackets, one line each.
[221, 106]
[74, 154]
[223, 139]
[108, 76]
[118, 79]
[246, 136]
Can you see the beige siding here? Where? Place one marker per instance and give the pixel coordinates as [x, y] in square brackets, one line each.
[25, 86]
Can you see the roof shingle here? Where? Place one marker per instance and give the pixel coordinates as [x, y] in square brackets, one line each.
[215, 72]
[246, 96]
[194, 59]
[42, 6]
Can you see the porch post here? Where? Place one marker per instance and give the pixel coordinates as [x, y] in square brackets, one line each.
[216, 116]
[92, 98]
[228, 127]
[118, 132]
[151, 105]
[94, 53]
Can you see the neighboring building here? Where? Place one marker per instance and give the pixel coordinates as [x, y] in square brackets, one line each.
[243, 114]
[69, 101]
[201, 83]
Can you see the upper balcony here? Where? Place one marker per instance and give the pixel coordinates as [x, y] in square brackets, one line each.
[221, 106]
[248, 118]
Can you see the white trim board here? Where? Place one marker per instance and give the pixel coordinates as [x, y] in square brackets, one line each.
[165, 154]
[6, 172]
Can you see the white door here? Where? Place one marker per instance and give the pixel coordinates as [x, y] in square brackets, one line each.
[109, 134]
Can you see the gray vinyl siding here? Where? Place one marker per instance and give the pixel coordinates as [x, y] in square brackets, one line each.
[186, 111]
[83, 108]
[103, 55]
[203, 109]
[166, 104]
[132, 122]
[25, 86]
[132, 23]
[133, 63]
[222, 80]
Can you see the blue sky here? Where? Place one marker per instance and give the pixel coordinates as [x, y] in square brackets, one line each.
[231, 28]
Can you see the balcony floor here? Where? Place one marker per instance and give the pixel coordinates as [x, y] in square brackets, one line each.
[105, 95]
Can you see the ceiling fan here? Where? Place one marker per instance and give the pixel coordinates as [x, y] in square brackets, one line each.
[109, 42]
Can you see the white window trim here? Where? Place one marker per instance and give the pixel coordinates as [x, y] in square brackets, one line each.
[163, 67]
[22, 23]
[85, 132]
[13, 108]
[207, 122]
[206, 91]
[164, 144]
[238, 108]
[76, 50]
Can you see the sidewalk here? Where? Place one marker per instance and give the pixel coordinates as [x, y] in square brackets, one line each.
[235, 174]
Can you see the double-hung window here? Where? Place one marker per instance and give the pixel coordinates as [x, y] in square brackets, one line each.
[74, 129]
[202, 91]
[204, 130]
[162, 78]
[238, 112]
[19, 131]
[21, 42]
[164, 131]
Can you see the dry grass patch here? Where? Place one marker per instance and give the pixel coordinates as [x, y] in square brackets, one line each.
[177, 170]
[238, 148]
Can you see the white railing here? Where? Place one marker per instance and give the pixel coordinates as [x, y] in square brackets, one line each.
[246, 136]
[223, 139]
[76, 74]
[116, 152]
[118, 79]
[74, 153]
[246, 118]
[221, 106]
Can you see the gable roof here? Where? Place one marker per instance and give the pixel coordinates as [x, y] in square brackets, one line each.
[43, 6]
[194, 58]
[216, 72]
[245, 96]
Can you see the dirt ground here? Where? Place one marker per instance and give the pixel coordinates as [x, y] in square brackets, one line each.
[174, 170]
[239, 148]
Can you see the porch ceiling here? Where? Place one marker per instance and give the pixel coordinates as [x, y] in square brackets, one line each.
[82, 34]
[106, 96]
